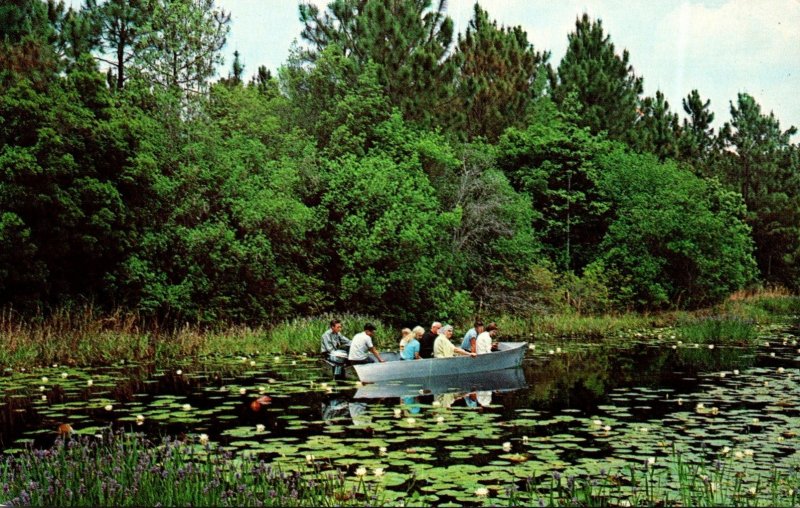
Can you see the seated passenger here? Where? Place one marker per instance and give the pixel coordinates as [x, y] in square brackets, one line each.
[468, 344]
[361, 346]
[443, 348]
[406, 335]
[334, 347]
[411, 351]
[483, 344]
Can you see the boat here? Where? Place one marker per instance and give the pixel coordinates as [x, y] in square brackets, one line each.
[496, 381]
[507, 355]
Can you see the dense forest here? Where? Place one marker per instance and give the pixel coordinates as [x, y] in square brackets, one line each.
[391, 167]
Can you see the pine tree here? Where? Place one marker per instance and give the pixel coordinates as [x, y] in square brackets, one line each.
[408, 40]
[498, 75]
[657, 130]
[697, 136]
[598, 82]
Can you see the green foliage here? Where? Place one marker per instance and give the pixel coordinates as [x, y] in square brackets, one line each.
[718, 330]
[407, 40]
[759, 161]
[675, 240]
[596, 83]
[498, 77]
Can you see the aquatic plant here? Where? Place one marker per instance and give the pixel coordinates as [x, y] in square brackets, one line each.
[125, 469]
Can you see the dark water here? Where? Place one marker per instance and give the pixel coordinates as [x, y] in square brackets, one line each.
[591, 407]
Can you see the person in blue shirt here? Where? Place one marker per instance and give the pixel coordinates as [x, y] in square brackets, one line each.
[411, 349]
[468, 344]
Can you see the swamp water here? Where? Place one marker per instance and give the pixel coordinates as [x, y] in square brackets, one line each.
[591, 409]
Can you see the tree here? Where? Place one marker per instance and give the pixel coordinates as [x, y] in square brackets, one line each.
[120, 25]
[657, 130]
[675, 239]
[180, 44]
[498, 76]
[407, 40]
[759, 161]
[554, 163]
[600, 84]
[697, 136]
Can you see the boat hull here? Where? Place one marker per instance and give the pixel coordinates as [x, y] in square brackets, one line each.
[507, 356]
[496, 381]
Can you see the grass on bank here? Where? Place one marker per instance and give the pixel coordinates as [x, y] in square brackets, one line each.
[85, 338]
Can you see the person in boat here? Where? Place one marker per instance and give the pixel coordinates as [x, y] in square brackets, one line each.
[334, 347]
[443, 348]
[405, 336]
[468, 344]
[411, 350]
[361, 346]
[484, 343]
[427, 340]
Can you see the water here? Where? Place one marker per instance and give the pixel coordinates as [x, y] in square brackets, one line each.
[589, 408]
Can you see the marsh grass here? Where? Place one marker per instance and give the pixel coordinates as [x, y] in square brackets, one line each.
[719, 330]
[672, 481]
[119, 469]
[85, 337]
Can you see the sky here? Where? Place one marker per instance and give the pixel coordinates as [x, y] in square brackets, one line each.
[719, 47]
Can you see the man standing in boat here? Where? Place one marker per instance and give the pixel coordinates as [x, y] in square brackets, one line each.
[427, 340]
[361, 346]
[335, 347]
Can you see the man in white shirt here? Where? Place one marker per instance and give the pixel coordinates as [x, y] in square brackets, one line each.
[361, 345]
[483, 344]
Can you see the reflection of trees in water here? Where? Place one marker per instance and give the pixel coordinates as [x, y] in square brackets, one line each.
[583, 378]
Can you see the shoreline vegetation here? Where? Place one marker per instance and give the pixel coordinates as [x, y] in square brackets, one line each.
[87, 338]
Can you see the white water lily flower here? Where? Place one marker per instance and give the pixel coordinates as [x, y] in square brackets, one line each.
[203, 438]
[186, 407]
[766, 344]
[481, 492]
[558, 350]
[41, 388]
[411, 421]
[397, 413]
[766, 383]
[748, 453]
[260, 427]
[735, 372]
[752, 491]
[277, 359]
[310, 459]
[531, 346]
[552, 352]
[179, 372]
[680, 401]
[294, 362]
[440, 419]
[711, 346]
[772, 355]
[726, 450]
[55, 365]
[242, 391]
[507, 446]
[89, 382]
[323, 385]
[624, 503]
[271, 380]
[378, 472]
[252, 363]
[713, 486]
[651, 461]
[44, 397]
[382, 450]
[644, 430]
[436, 403]
[524, 439]
[674, 346]
[738, 454]
[64, 375]
[721, 374]
[361, 471]
[44, 380]
[140, 419]
[607, 428]
[780, 370]
[109, 407]
[714, 410]
[755, 421]
[700, 406]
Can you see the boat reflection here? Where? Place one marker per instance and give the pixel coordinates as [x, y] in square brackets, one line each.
[446, 389]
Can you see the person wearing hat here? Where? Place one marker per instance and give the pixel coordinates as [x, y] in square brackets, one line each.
[361, 345]
[483, 344]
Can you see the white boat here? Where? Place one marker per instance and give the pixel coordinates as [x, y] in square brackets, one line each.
[507, 356]
[496, 381]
